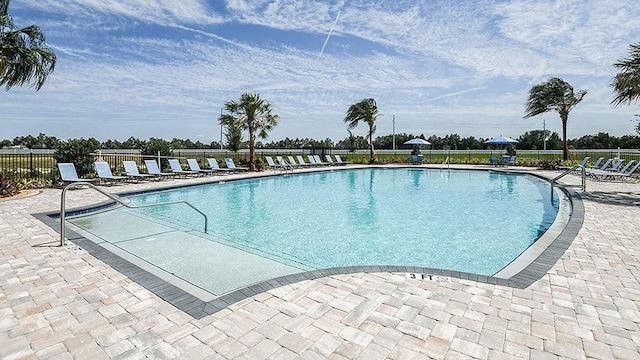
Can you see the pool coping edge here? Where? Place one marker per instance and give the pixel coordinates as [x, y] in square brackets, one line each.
[198, 308]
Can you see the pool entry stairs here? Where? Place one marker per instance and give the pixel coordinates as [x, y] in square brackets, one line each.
[188, 258]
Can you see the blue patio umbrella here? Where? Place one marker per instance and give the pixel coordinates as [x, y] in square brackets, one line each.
[416, 157]
[417, 141]
[501, 140]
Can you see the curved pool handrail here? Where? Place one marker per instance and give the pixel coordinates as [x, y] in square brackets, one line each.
[446, 161]
[119, 200]
[583, 176]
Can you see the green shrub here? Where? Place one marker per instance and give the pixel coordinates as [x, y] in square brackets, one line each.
[155, 146]
[8, 187]
[34, 183]
[260, 164]
[78, 152]
[549, 164]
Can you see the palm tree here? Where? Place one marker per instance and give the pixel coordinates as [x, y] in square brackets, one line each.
[367, 111]
[24, 57]
[554, 95]
[253, 114]
[627, 82]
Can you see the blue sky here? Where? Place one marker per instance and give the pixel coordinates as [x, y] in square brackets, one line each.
[164, 68]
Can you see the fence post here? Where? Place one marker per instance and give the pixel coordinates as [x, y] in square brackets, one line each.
[30, 162]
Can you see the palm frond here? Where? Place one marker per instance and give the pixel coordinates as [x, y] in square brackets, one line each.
[4, 7]
[553, 95]
[626, 84]
[266, 124]
[366, 110]
[24, 57]
[226, 120]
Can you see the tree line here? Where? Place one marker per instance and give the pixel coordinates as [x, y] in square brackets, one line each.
[530, 140]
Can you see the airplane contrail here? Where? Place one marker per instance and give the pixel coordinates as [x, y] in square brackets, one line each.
[329, 35]
[457, 93]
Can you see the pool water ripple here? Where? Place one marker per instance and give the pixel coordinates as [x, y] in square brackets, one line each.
[464, 220]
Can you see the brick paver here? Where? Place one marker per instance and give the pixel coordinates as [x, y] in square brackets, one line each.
[59, 303]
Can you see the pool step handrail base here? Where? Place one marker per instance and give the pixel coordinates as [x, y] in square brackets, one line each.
[120, 201]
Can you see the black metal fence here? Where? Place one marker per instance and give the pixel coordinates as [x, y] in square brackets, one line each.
[20, 164]
[26, 164]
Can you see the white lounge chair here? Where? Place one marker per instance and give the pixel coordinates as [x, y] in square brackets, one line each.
[624, 169]
[624, 175]
[584, 161]
[340, 161]
[131, 169]
[213, 164]
[596, 165]
[231, 165]
[177, 168]
[616, 166]
[312, 160]
[271, 163]
[329, 160]
[105, 174]
[302, 162]
[577, 168]
[293, 162]
[598, 171]
[612, 172]
[194, 166]
[319, 161]
[283, 163]
[68, 173]
[627, 167]
[154, 169]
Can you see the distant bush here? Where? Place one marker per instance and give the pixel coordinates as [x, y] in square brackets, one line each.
[155, 146]
[549, 164]
[78, 152]
[260, 164]
[35, 183]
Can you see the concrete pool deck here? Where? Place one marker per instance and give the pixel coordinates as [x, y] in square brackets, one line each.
[65, 303]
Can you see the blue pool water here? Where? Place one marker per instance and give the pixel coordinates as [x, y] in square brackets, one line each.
[472, 221]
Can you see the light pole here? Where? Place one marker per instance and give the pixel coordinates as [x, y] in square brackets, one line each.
[394, 132]
[544, 134]
[221, 130]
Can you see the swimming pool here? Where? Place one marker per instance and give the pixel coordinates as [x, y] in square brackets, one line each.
[463, 220]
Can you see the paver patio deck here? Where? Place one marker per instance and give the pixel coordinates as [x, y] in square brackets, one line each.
[57, 303]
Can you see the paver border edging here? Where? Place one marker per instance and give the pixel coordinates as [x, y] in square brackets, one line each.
[198, 308]
[550, 256]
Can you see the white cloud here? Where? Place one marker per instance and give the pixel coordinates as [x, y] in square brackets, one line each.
[580, 37]
[155, 11]
[440, 67]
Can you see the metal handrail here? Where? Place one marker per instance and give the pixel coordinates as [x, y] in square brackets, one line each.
[117, 199]
[446, 161]
[583, 175]
[286, 168]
